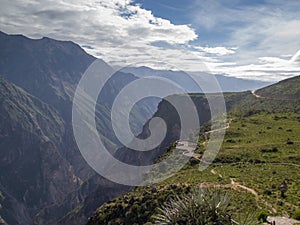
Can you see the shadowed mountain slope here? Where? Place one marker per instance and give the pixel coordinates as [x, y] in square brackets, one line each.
[43, 175]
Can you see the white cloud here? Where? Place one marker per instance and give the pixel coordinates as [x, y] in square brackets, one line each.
[219, 51]
[116, 30]
[112, 22]
[266, 36]
[268, 69]
[122, 32]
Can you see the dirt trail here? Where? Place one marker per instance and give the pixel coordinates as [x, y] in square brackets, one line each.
[252, 191]
[238, 185]
[188, 149]
[256, 95]
[223, 128]
[260, 163]
[212, 131]
[213, 172]
[259, 96]
[235, 186]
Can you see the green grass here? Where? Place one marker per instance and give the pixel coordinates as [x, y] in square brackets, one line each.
[286, 89]
[265, 179]
[247, 156]
[260, 150]
[139, 206]
[252, 139]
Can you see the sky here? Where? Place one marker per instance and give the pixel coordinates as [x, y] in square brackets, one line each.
[253, 39]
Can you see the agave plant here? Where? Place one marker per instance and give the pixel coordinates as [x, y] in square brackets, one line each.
[200, 207]
[247, 218]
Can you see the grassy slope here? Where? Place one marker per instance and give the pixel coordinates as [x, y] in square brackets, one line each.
[243, 161]
[286, 89]
[247, 165]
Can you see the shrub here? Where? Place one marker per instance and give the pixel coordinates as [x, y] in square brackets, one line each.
[267, 192]
[198, 207]
[289, 142]
[194, 161]
[262, 216]
[296, 215]
[269, 150]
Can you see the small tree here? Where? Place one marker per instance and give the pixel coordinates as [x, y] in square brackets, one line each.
[262, 216]
[283, 187]
[296, 215]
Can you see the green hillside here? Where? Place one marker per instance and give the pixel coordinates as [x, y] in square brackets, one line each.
[261, 149]
[286, 89]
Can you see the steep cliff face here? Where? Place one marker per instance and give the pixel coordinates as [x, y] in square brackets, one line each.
[34, 171]
[45, 68]
[43, 176]
[49, 70]
[169, 114]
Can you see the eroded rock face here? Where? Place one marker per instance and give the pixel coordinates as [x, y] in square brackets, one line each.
[43, 176]
[33, 171]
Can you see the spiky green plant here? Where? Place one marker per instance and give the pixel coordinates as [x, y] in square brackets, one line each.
[247, 218]
[200, 207]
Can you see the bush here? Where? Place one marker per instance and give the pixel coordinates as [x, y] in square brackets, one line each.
[267, 192]
[198, 207]
[262, 216]
[194, 161]
[296, 215]
[269, 150]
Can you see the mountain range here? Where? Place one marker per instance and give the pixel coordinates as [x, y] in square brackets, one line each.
[187, 80]
[43, 177]
[50, 177]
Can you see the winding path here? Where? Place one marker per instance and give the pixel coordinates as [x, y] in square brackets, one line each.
[238, 185]
[256, 95]
[188, 149]
[220, 129]
[235, 185]
[263, 97]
